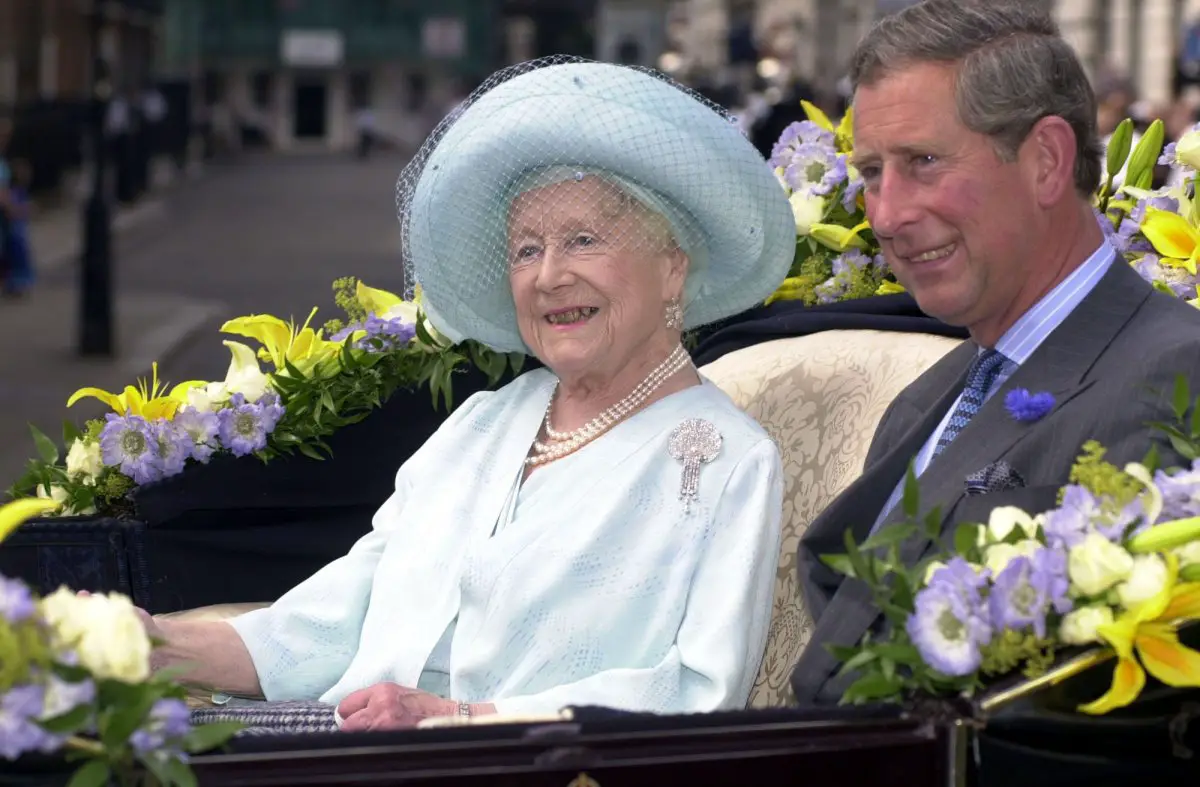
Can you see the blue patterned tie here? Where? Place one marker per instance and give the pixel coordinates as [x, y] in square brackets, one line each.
[980, 377]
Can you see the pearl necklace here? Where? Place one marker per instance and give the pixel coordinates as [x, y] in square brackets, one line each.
[560, 444]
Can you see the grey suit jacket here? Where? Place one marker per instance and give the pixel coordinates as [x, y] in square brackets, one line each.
[1111, 366]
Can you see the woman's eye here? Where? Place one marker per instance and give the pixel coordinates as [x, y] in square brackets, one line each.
[584, 241]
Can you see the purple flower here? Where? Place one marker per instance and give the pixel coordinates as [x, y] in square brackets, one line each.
[129, 443]
[854, 187]
[1067, 525]
[1167, 158]
[167, 723]
[815, 169]
[243, 427]
[16, 602]
[1181, 492]
[19, 731]
[201, 429]
[950, 623]
[1026, 590]
[794, 136]
[1027, 407]
[1181, 283]
[174, 446]
[384, 335]
[63, 697]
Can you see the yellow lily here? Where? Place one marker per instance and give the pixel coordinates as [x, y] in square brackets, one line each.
[1173, 237]
[385, 304]
[843, 132]
[839, 238]
[284, 343]
[890, 288]
[152, 402]
[791, 289]
[16, 513]
[1151, 631]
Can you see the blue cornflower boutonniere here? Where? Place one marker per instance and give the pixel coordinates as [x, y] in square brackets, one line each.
[1028, 407]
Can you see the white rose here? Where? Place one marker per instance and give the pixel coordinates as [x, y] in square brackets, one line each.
[1188, 554]
[1096, 564]
[55, 493]
[1002, 520]
[1146, 580]
[998, 556]
[104, 631]
[207, 398]
[405, 310]
[1079, 626]
[83, 460]
[1187, 149]
[807, 209]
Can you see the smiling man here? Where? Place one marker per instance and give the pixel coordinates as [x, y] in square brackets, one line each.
[975, 132]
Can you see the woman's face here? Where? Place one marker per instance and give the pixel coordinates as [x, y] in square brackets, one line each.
[592, 272]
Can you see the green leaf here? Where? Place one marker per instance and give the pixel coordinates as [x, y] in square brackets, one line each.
[1181, 397]
[1140, 172]
[902, 591]
[840, 564]
[1152, 460]
[327, 400]
[1183, 446]
[209, 736]
[46, 448]
[965, 536]
[856, 558]
[71, 433]
[873, 686]
[310, 452]
[69, 722]
[892, 534]
[1119, 145]
[911, 501]
[1190, 573]
[95, 774]
[899, 653]
[859, 660]
[116, 728]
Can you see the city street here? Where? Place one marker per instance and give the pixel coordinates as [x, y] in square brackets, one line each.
[263, 234]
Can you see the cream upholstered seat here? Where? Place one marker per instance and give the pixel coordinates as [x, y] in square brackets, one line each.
[820, 398]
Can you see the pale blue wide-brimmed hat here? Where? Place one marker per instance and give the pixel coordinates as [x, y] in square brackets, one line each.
[680, 155]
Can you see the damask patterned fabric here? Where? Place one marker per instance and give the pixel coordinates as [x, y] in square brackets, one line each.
[820, 398]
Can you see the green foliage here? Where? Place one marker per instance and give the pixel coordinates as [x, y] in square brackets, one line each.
[1013, 650]
[1103, 479]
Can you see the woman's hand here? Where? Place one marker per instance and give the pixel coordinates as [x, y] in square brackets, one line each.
[390, 706]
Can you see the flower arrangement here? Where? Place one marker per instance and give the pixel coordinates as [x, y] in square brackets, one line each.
[1155, 230]
[316, 382]
[1116, 564]
[837, 256]
[75, 679]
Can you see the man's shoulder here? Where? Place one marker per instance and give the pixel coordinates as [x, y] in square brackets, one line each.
[1164, 328]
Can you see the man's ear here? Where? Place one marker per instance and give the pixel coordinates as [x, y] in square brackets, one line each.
[1050, 152]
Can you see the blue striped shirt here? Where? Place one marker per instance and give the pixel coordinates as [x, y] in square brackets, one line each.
[1019, 342]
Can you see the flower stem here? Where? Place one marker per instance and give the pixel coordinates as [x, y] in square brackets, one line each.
[84, 745]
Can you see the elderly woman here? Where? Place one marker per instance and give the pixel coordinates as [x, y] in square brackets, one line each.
[603, 531]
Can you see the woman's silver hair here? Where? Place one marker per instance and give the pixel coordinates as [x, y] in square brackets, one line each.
[1014, 68]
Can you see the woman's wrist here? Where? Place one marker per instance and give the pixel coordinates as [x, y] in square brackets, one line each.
[481, 708]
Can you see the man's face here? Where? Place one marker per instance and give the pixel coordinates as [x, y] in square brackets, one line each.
[949, 214]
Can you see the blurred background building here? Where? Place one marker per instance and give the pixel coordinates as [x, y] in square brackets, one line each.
[216, 76]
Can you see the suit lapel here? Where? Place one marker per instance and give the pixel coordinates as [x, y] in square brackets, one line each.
[1059, 366]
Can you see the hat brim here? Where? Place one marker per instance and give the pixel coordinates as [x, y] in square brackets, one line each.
[596, 116]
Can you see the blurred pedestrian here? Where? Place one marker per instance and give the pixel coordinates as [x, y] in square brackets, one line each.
[19, 276]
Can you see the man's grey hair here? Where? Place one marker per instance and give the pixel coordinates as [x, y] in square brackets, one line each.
[1013, 69]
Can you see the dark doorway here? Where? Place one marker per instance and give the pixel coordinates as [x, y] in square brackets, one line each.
[309, 110]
